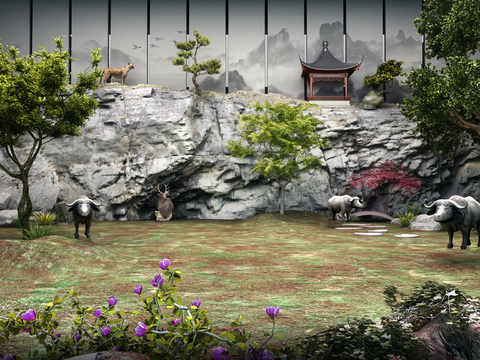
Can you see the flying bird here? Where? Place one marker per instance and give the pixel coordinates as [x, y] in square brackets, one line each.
[173, 41]
[181, 31]
[153, 45]
[157, 39]
[135, 47]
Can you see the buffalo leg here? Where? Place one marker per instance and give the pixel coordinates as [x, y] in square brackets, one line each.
[450, 238]
[76, 231]
[478, 233]
[465, 238]
[87, 229]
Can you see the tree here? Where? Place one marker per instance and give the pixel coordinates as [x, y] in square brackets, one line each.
[282, 138]
[37, 105]
[384, 180]
[385, 74]
[188, 50]
[445, 103]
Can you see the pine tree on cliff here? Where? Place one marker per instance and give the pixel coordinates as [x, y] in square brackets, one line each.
[188, 50]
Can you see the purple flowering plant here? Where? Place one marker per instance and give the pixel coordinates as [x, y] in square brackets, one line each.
[169, 330]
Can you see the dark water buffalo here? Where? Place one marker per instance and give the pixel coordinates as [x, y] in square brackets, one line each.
[83, 209]
[457, 213]
[343, 205]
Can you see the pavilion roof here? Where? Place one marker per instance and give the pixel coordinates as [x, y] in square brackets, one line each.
[326, 62]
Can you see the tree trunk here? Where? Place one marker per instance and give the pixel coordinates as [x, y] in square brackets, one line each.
[282, 199]
[25, 206]
[198, 90]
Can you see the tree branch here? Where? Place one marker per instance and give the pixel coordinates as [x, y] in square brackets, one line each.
[466, 125]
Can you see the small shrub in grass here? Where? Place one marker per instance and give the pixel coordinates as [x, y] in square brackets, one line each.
[37, 231]
[406, 218]
[45, 218]
[16, 221]
[363, 339]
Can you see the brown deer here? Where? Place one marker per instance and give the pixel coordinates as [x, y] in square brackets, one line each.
[165, 205]
[120, 73]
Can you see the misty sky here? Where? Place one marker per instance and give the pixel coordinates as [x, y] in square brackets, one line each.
[168, 23]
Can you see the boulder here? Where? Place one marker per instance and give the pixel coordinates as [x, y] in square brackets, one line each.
[6, 217]
[372, 100]
[4, 200]
[425, 223]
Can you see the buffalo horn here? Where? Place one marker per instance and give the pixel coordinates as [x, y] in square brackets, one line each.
[451, 202]
[429, 206]
[94, 203]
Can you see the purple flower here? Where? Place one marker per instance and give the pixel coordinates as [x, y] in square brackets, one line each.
[9, 357]
[55, 334]
[30, 315]
[263, 355]
[141, 329]
[112, 301]
[220, 354]
[98, 312]
[105, 330]
[176, 322]
[272, 311]
[197, 303]
[163, 264]
[239, 330]
[138, 289]
[27, 330]
[76, 336]
[157, 280]
[116, 348]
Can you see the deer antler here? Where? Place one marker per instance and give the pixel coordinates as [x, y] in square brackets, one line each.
[158, 188]
[166, 187]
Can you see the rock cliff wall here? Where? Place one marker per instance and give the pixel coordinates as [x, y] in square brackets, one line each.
[146, 135]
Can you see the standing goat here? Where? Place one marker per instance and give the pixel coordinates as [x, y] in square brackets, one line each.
[165, 205]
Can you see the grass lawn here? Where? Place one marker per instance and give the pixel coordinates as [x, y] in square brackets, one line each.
[317, 275]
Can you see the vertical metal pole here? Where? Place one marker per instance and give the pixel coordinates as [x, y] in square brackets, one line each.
[148, 41]
[305, 45]
[187, 36]
[266, 46]
[226, 46]
[109, 40]
[384, 33]
[423, 43]
[345, 30]
[31, 28]
[70, 40]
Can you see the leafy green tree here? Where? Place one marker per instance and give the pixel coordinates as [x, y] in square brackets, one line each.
[445, 102]
[188, 50]
[36, 106]
[385, 74]
[282, 138]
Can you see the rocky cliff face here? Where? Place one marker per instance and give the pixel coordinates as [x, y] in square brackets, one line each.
[144, 136]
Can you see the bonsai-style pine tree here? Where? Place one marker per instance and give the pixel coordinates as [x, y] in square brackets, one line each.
[384, 180]
[36, 106]
[282, 138]
[188, 50]
[445, 103]
[385, 74]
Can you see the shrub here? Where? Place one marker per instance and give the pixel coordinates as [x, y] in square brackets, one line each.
[186, 333]
[45, 219]
[415, 209]
[37, 231]
[406, 218]
[16, 221]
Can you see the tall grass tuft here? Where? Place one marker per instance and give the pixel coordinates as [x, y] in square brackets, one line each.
[406, 218]
[45, 219]
[37, 231]
[415, 209]
[16, 221]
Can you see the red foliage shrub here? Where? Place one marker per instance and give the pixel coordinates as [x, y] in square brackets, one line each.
[384, 180]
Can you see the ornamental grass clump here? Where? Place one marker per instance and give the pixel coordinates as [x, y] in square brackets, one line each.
[170, 330]
[45, 218]
[406, 219]
[37, 231]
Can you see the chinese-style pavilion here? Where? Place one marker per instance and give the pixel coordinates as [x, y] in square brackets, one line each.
[328, 68]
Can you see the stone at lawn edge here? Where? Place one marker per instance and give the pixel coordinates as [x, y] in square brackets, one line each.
[425, 223]
[372, 100]
[6, 217]
[4, 200]
[143, 135]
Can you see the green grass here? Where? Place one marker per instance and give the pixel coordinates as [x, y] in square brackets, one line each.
[318, 276]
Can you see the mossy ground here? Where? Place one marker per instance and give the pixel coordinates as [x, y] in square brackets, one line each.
[318, 276]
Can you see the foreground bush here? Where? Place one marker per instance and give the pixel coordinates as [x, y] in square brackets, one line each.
[184, 333]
